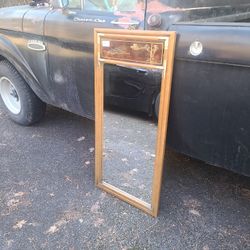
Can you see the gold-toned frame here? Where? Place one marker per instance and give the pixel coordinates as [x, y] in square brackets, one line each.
[167, 71]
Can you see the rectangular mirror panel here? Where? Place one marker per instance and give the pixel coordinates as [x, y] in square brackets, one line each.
[129, 151]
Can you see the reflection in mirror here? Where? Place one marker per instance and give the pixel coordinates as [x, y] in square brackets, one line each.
[129, 150]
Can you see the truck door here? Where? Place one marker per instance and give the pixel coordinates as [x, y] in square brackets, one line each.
[34, 50]
[69, 33]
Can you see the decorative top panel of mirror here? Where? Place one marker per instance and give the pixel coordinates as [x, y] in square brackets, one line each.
[133, 50]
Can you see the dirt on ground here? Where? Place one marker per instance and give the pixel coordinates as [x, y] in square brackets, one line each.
[48, 199]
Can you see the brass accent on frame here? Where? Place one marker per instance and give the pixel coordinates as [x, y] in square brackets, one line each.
[130, 149]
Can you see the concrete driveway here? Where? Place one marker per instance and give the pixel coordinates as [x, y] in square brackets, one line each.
[48, 199]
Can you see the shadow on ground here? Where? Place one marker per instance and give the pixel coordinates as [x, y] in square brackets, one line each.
[48, 199]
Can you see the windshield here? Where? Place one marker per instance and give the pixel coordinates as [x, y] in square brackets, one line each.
[199, 3]
[203, 10]
[115, 5]
[178, 10]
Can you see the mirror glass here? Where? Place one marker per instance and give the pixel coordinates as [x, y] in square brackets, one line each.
[130, 130]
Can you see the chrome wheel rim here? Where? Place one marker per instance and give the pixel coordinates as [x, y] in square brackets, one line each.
[10, 95]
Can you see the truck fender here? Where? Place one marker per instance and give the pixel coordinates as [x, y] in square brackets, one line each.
[9, 52]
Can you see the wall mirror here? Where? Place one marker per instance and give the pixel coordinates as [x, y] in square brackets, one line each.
[131, 113]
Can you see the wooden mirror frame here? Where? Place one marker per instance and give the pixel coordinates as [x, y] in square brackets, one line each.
[166, 66]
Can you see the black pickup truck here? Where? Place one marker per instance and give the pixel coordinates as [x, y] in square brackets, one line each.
[46, 57]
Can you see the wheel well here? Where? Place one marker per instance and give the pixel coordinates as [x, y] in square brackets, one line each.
[28, 78]
[2, 58]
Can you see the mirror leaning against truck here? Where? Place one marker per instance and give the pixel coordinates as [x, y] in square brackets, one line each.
[48, 118]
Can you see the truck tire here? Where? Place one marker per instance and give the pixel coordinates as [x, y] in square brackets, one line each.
[20, 102]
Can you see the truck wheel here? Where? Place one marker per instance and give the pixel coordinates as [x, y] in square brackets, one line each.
[21, 103]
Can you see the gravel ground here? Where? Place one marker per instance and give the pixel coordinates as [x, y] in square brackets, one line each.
[48, 199]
